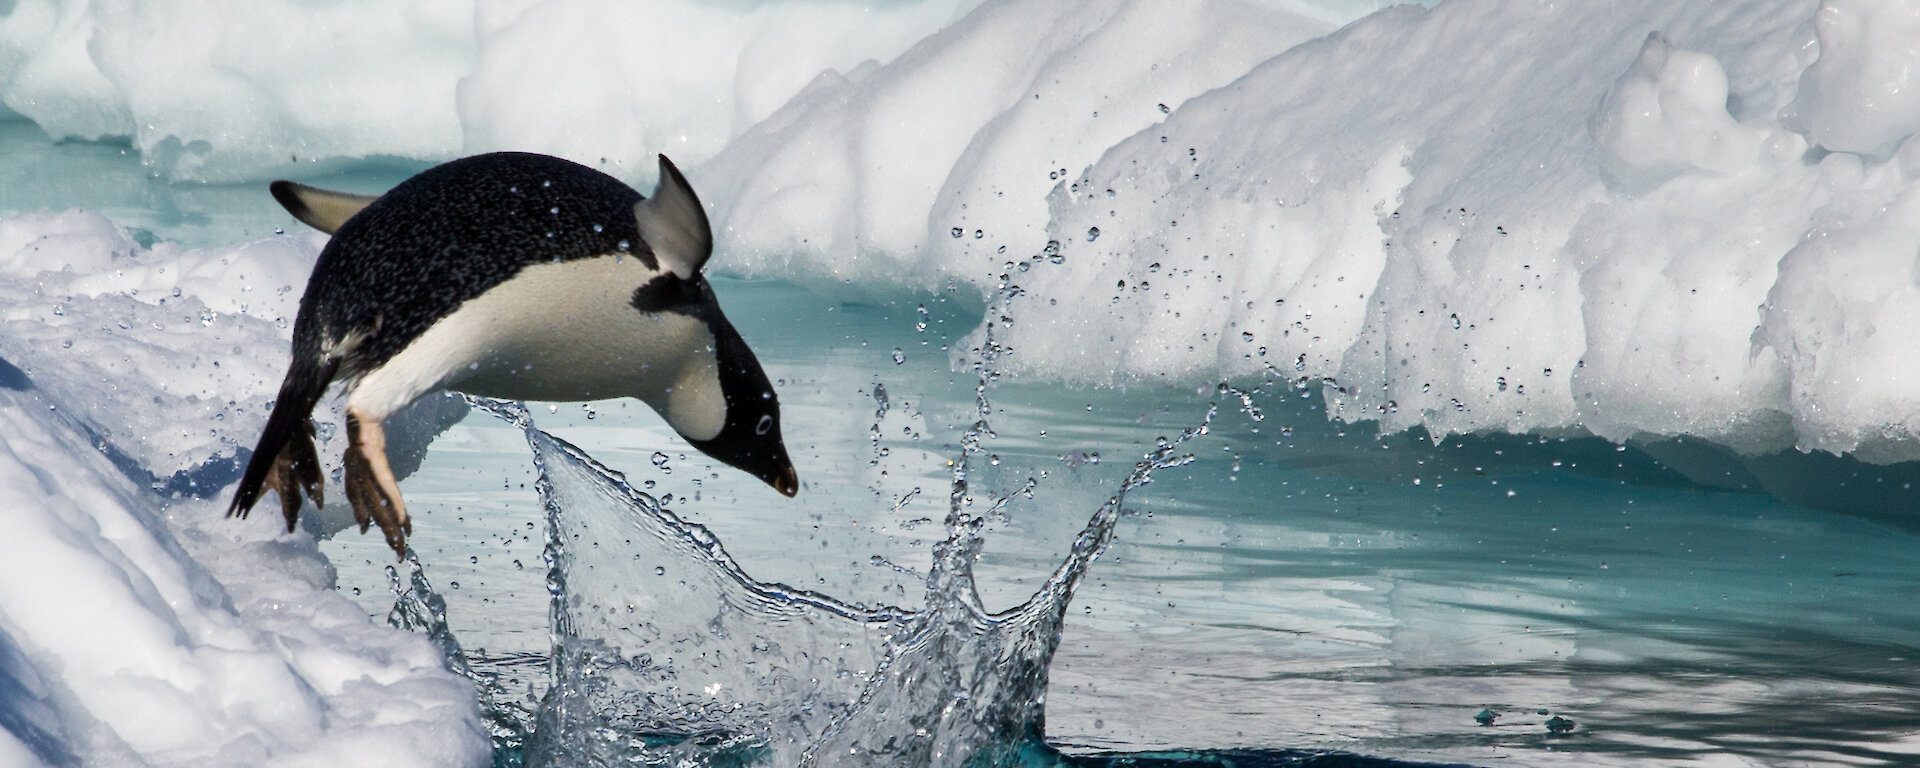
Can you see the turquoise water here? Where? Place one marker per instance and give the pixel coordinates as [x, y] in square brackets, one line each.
[1301, 587]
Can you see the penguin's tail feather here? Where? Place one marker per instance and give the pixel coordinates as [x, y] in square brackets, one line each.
[286, 459]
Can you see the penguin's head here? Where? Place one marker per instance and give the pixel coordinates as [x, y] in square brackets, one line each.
[675, 229]
[750, 438]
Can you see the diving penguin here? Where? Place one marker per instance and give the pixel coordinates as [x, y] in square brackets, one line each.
[509, 275]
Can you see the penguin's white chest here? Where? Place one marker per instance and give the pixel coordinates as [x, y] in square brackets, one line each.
[567, 331]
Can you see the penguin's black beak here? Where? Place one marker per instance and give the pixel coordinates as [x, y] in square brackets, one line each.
[787, 483]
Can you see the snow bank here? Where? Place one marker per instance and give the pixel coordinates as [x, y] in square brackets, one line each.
[1436, 211]
[227, 648]
[215, 90]
[132, 371]
[1581, 224]
[1640, 219]
[119, 331]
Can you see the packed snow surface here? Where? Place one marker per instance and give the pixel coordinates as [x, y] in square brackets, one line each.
[1632, 218]
[1637, 219]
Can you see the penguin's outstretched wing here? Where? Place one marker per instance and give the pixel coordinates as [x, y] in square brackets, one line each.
[322, 209]
[286, 459]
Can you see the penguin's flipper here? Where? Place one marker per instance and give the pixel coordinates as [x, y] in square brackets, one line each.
[674, 225]
[285, 459]
[322, 209]
[371, 487]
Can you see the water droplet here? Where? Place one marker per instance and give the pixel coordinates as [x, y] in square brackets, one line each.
[899, 357]
[957, 232]
[1246, 336]
[660, 460]
[1164, 109]
[1093, 233]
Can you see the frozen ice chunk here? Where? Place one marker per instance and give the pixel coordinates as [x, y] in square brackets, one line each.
[1668, 115]
[1843, 316]
[1862, 94]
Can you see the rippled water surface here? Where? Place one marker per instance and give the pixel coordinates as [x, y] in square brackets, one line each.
[1299, 586]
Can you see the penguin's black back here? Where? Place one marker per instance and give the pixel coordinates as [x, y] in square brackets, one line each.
[447, 235]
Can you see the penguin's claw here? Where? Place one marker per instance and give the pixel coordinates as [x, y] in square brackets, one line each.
[294, 469]
[280, 479]
[371, 488]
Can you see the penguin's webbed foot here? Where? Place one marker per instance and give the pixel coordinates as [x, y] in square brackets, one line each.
[371, 487]
[296, 468]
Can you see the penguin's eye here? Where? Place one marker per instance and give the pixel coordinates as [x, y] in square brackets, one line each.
[766, 423]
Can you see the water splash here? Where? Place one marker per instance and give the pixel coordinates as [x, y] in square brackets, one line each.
[417, 607]
[961, 686]
[666, 652]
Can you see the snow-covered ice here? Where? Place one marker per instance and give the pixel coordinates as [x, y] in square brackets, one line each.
[1637, 219]
[141, 627]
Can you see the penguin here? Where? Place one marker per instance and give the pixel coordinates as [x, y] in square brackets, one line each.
[516, 276]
